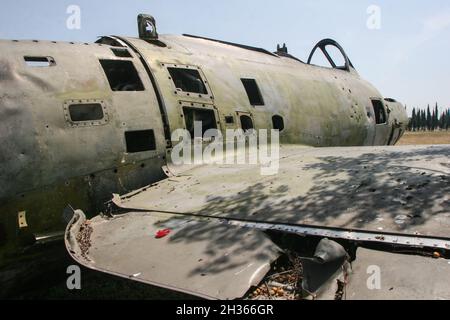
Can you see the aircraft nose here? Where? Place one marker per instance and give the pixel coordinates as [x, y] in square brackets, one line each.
[400, 113]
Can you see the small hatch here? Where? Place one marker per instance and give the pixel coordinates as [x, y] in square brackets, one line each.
[253, 93]
[229, 119]
[140, 141]
[34, 61]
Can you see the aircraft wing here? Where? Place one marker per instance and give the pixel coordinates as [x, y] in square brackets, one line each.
[218, 215]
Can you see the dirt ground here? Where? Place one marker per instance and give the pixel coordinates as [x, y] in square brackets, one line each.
[423, 137]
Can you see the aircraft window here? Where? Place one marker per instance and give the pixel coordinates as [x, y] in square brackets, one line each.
[253, 93]
[380, 113]
[188, 80]
[229, 120]
[86, 112]
[205, 116]
[278, 122]
[121, 52]
[39, 61]
[122, 75]
[246, 122]
[140, 141]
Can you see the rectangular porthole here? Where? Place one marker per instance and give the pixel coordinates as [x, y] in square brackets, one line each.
[246, 122]
[122, 75]
[80, 113]
[206, 117]
[380, 113]
[187, 80]
[253, 93]
[86, 112]
[229, 119]
[39, 61]
[140, 141]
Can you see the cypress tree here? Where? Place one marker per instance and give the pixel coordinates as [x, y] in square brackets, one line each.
[447, 120]
[436, 116]
[433, 122]
[423, 120]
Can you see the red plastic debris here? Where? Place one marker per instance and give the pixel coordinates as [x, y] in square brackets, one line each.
[162, 233]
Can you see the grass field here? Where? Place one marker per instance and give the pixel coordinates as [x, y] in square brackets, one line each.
[414, 138]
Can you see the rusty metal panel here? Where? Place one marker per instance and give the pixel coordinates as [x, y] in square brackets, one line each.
[403, 190]
[198, 257]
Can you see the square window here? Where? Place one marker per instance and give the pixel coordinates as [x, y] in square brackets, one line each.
[188, 80]
[122, 75]
[253, 93]
[205, 116]
[140, 141]
[380, 113]
[229, 119]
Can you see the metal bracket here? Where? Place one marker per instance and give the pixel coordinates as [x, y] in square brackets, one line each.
[22, 219]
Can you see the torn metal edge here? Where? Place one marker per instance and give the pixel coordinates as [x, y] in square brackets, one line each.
[72, 246]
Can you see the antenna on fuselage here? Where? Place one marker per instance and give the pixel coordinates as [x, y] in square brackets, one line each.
[282, 49]
[147, 27]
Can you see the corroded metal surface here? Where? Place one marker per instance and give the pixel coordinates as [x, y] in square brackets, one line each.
[49, 161]
[402, 190]
[379, 275]
[199, 257]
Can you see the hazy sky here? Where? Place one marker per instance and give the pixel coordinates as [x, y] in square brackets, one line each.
[407, 58]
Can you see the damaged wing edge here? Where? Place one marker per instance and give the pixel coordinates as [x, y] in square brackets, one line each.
[80, 253]
[73, 247]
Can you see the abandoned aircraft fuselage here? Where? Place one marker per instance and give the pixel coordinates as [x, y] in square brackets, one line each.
[81, 121]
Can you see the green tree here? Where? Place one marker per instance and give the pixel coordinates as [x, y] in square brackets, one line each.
[436, 117]
[412, 123]
[423, 120]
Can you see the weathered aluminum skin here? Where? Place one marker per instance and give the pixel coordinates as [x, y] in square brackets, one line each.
[400, 277]
[320, 106]
[199, 257]
[386, 195]
[403, 190]
[46, 163]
